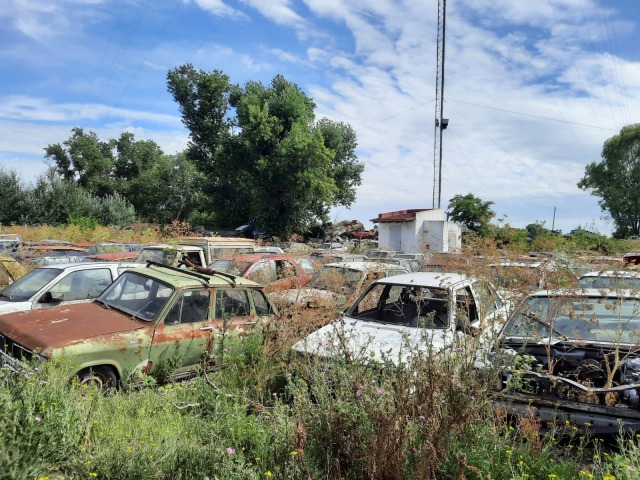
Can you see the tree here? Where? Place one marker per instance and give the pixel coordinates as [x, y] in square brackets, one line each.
[472, 212]
[86, 160]
[160, 187]
[616, 180]
[270, 161]
[12, 194]
[54, 200]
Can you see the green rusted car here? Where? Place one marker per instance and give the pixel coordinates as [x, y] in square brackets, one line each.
[147, 317]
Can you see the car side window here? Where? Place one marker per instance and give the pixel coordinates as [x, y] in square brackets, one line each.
[260, 303]
[191, 307]
[306, 265]
[83, 284]
[232, 303]
[466, 309]
[489, 299]
[284, 269]
[263, 272]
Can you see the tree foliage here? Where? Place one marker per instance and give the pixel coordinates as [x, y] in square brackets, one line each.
[616, 180]
[264, 155]
[472, 212]
[160, 187]
[54, 200]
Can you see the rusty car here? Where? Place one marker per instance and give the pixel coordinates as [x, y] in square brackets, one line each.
[61, 284]
[572, 355]
[336, 285]
[274, 271]
[147, 319]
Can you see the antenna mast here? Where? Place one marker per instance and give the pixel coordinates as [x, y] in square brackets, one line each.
[441, 123]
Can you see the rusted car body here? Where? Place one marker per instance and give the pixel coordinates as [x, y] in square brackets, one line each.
[336, 285]
[111, 257]
[573, 356]
[49, 254]
[274, 272]
[149, 317]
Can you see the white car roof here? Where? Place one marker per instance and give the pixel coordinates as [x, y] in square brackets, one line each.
[366, 266]
[612, 273]
[587, 292]
[427, 279]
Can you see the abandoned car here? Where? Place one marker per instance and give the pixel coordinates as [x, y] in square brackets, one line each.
[273, 271]
[336, 285]
[573, 356]
[399, 315]
[612, 279]
[62, 284]
[150, 318]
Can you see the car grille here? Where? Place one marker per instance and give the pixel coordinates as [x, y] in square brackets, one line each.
[15, 350]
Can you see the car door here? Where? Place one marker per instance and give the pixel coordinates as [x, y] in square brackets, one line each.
[233, 315]
[183, 336]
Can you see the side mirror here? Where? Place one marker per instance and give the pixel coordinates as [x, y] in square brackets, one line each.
[49, 297]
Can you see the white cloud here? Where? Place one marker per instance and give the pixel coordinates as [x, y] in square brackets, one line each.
[219, 8]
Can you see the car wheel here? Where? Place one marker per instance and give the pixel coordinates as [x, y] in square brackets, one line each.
[104, 378]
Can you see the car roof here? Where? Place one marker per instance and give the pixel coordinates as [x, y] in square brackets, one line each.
[427, 279]
[187, 278]
[89, 265]
[612, 273]
[365, 266]
[588, 292]
[256, 257]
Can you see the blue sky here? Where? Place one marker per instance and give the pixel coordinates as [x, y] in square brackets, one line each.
[532, 89]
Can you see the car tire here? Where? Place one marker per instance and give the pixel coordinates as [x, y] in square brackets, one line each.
[102, 377]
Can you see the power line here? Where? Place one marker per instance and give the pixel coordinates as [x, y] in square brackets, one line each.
[531, 115]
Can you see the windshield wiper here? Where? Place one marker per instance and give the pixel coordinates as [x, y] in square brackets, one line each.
[106, 305]
[535, 318]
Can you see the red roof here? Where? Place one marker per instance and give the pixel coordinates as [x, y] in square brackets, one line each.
[398, 216]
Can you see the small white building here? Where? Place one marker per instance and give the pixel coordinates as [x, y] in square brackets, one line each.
[420, 230]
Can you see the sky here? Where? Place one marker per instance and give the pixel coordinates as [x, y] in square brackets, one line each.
[532, 90]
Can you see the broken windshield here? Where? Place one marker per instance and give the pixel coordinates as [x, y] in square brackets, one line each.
[601, 319]
[138, 295]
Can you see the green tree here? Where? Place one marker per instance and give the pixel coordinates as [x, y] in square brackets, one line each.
[12, 194]
[86, 160]
[616, 180]
[160, 187]
[264, 155]
[472, 212]
[54, 200]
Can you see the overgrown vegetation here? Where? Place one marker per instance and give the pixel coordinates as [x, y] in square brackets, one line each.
[265, 413]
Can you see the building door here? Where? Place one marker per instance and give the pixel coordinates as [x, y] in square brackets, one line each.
[395, 238]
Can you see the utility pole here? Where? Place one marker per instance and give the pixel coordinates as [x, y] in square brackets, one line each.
[441, 123]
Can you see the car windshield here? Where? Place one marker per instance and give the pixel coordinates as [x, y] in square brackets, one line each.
[138, 295]
[611, 282]
[408, 305]
[234, 267]
[26, 287]
[599, 319]
[165, 256]
[337, 279]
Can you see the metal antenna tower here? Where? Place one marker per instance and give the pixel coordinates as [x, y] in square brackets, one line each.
[441, 123]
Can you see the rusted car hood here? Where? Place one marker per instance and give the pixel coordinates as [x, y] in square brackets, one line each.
[58, 327]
